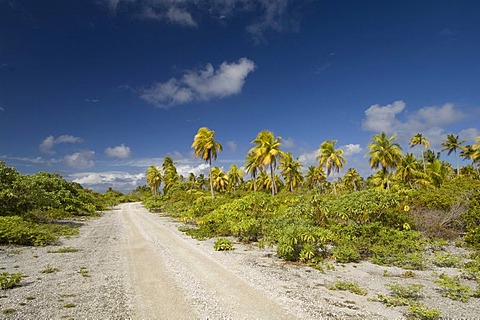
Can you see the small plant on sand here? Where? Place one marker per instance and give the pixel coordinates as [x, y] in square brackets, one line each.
[445, 260]
[8, 311]
[64, 250]
[408, 274]
[420, 311]
[10, 280]
[348, 286]
[400, 295]
[223, 244]
[49, 269]
[451, 287]
[70, 305]
[84, 272]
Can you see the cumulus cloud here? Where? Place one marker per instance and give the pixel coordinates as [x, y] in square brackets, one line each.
[232, 145]
[181, 17]
[288, 143]
[469, 135]
[382, 118]
[121, 152]
[430, 121]
[186, 169]
[308, 159]
[50, 142]
[80, 160]
[351, 149]
[101, 181]
[204, 84]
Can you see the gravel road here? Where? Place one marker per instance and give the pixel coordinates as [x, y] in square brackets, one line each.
[132, 264]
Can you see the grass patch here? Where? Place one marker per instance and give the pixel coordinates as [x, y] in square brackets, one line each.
[64, 250]
[420, 311]
[10, 280]
[451, 287]
[84, 272]
[49, 269]
[9, 311]
[348, 286]
[400, 295]
[223, 244]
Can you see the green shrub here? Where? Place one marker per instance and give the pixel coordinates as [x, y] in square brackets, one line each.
[452, 288]
[400, 295]
[9, 280]
[348, 286]
[421, 312]
[445, 260]
[223, 244]
[16, 230]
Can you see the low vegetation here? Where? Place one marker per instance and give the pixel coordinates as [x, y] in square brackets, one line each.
[9, 280]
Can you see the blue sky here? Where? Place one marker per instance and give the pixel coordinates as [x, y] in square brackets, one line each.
[99, 90]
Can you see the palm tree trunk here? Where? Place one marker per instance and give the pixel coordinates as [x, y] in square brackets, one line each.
[458, 168]
[274, 187]
[334, 188]
[211, 181]
[255, 181]
[423, 160]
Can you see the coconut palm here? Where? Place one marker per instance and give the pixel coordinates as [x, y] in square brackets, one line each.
[419, 139]
[235, 177]
[380, 179]
[154, 179]
[252, 167]
[291, 171]
[330, 159]
[384, 153]
[207, 148]
[352, 178]
[451, 144]
[219, 179]
[267, 151]
[170, 175]
[439, 172]
[408, 169]
[315, 177]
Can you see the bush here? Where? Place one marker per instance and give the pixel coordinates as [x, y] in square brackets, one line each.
[9, 280]
[16, 230]
[223, 244]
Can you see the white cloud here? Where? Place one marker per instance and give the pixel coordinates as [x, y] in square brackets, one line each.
[101, 181]
[469, 135]
[80, 160]
[308, 159]
[121, 152]
[438, 116]
[430, 121]
[204, 84]
[288, 143]
[272, 19]
[50, 142]
[232, 145]
[382, 118]
[186, 169]
[351, 149]
[180, 16]
[1, 109]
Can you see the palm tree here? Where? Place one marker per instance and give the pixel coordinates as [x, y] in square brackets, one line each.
[154, 179]
[315, 176]
[267, 151]
[352, 178]
[235, 177]
[384, 153]
[252, 167]
[170, 175]
[451, 144]
[419, 139]
[207, 148]
[407, 170]
[472, 152]
[219, 179]
[330, 158]
[291, 171]
[439, 172]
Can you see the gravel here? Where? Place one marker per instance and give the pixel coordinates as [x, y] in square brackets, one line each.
[132, 264]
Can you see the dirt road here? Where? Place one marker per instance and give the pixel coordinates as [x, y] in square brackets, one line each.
[174, 279]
